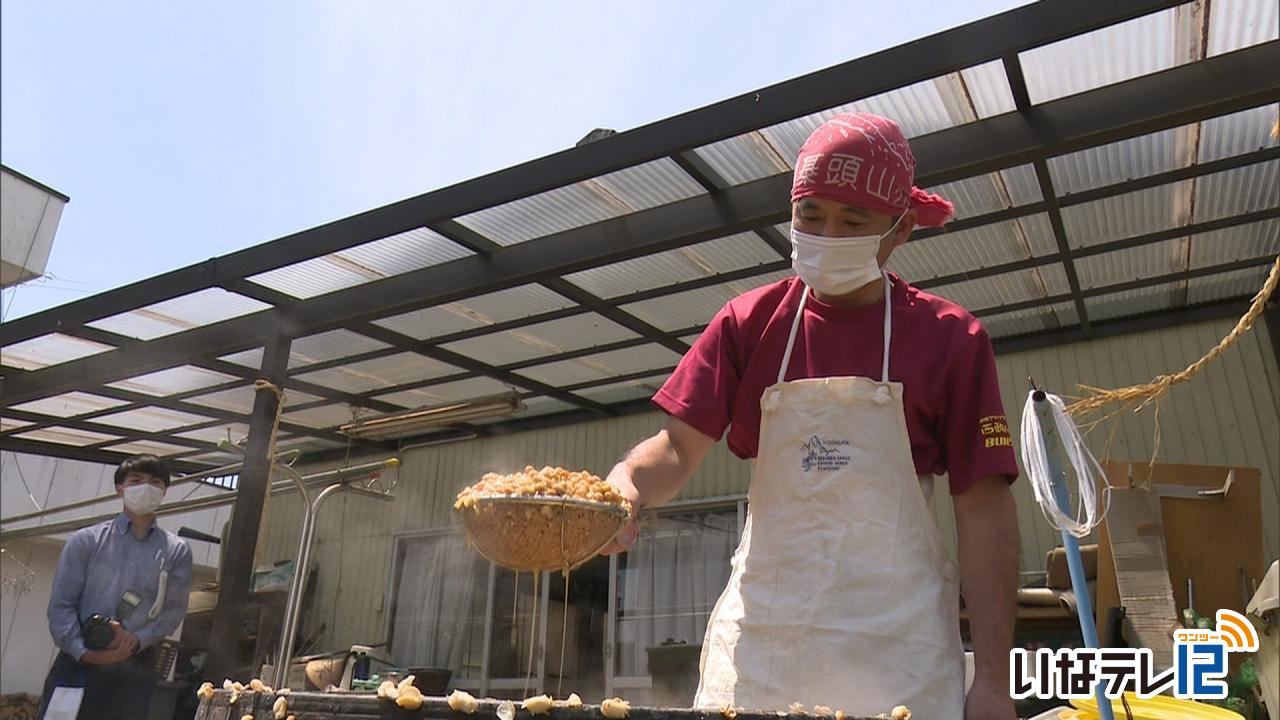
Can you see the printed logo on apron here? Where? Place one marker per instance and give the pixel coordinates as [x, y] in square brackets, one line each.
[824, 454]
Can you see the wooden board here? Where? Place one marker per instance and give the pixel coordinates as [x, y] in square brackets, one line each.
[1136, 538]
[1206, 540]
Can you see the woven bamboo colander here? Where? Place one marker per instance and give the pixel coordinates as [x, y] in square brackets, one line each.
[541, 533]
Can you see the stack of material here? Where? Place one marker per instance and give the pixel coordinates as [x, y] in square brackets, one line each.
[19, 706]
[1057, 590]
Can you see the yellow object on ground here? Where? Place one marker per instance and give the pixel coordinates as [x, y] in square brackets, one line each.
[1156, 708]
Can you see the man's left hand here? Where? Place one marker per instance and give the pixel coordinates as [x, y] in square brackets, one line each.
[988, 702]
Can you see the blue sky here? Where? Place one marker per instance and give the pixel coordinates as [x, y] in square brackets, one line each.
[184, 131]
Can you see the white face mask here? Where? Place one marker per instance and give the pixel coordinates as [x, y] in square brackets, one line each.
[837, 266]
[143, 499]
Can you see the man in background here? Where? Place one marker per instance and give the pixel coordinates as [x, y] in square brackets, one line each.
[120, 588]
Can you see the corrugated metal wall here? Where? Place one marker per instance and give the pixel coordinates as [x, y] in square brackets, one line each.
[1228, 415]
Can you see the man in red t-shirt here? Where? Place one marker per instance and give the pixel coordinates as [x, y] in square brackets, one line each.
[850, 389]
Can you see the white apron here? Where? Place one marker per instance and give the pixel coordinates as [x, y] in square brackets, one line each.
[841, 593]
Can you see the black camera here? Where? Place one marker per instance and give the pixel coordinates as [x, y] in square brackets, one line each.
[97, 632]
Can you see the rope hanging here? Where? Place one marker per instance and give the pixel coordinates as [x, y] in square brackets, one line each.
[1138, 397]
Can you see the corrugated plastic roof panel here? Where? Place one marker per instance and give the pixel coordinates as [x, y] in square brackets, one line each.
[387, 257]
[382, 372]
[240, 400]
[151, 419]
[985, 246]
[138, 447]
[928, 106]
[990, 192]
[538, 405]
[7, 424]
[1125, 160]
[1133, 302]
[1123, 216]
[1238, 191]
[1023, 186]
[193, 310]
[602, 365]
[1245, 241]
[308, 444]
[922, 108]
[988, 88]
[650, 184]
[213, 459]
[542, 339]
[695, 307]
[1162, 258]
[325, 416]
[1109, 55]
[691, 338]
[1023, 322]
[312, 349]
[744, 158]
[1238, 24]
[643, 186]
[67, 436]
[1007, 289]
[70, 404]
[457, 391]
[625, 391]
[174, 380]
[1225, 286]
[974, 195]
[510, 304]
[713, 257]
[47, 350]
[1238, 133]
[230, 431]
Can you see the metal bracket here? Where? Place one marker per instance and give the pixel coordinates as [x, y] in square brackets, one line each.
[1190, 492]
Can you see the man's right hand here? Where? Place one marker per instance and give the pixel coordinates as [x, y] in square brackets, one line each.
[123, 645]
[660, 465]
[620, 479]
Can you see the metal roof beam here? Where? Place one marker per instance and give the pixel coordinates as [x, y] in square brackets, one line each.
[1182, 276]
[1123, 326]
[1064, 245]
[557, 284]
[74, 452]
[1102, 248]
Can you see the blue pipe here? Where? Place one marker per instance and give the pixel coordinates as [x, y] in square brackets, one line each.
[1054, 453]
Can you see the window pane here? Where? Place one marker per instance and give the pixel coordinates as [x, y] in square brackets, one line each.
[438, 605]
[669, 583]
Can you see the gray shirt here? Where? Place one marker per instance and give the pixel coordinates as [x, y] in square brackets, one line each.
[100, 563]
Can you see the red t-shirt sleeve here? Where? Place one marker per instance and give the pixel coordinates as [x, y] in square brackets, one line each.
[974, 430]
[700, 391]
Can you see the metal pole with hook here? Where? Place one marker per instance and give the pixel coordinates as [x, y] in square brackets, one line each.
[1053, 446]
[297, 585]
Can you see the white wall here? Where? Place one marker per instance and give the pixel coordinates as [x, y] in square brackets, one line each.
[26, 652]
